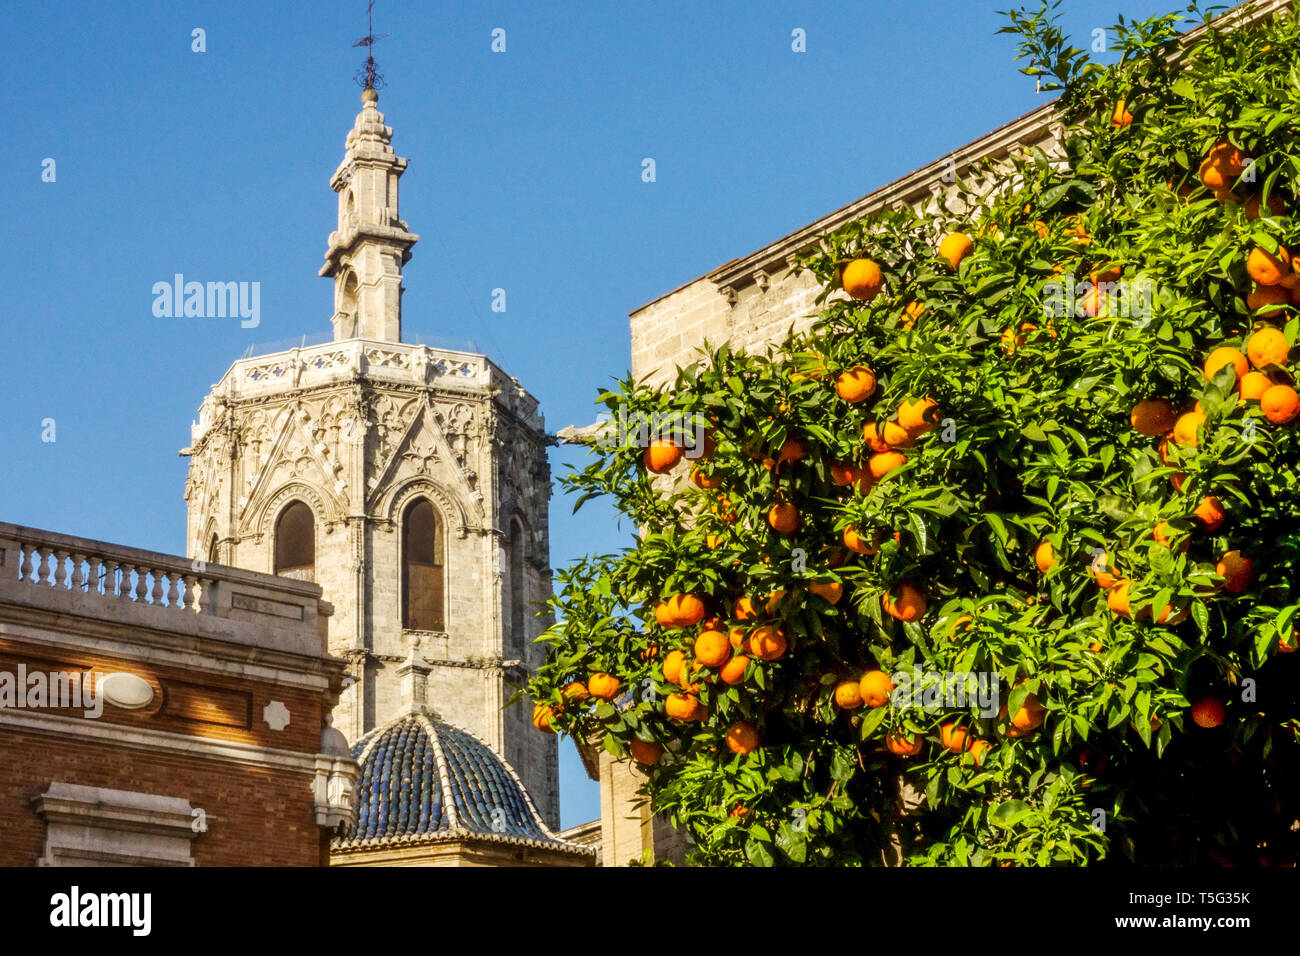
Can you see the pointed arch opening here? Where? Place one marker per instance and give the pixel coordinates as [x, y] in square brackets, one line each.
[517, 637]
[423, 587]
[212, 549]
[295, 542]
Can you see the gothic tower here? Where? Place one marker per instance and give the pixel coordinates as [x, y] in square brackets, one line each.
[410, 482]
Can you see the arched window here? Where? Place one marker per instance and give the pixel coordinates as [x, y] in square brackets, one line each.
[518, 585]
[212, 549]
[348, 305]
[295, 543]
[422, 579]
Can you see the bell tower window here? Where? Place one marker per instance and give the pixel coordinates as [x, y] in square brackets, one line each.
[518, 593]
[295, 543]
[422, 568]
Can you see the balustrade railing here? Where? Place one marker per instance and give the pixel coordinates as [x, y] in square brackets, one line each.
[115, 577]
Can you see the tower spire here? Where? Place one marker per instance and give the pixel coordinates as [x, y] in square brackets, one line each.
[368, 77]
[366, 252]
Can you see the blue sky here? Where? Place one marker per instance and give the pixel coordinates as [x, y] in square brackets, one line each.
[525, 174]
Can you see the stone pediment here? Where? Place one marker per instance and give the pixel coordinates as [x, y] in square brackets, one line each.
[425, 450]
[294, 458]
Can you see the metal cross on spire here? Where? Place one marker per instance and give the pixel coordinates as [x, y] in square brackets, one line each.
[368, 77]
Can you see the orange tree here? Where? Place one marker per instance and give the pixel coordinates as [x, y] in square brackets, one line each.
[1050, 445]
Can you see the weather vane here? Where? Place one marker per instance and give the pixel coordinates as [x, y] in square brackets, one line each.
[369, 78]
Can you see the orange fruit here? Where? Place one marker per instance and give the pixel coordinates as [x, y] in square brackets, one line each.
[742, 737]
[1268, 300]
[909, 606]
[1210, 513]
[855, 542]
[1226, 355]
[783, 517]
[1280, 404]
[682, 706]
[679, 610]
[1253, 385]
[706, 481]
[768, 643]
[792, 450]
[542, 716]
[1029, 716]
[1222, 165]
[978, 750]
[1163, 534]
[602, 685]
[1177, 479]
[575, 691]
[1103, 572]
[737, 637]
[913, 312]
[661, 455]
[1186, 426]
[1267, 268]
[875, 688]
[856, 384]
[746, 609]
[955, 247]
[1121, 117]
[1117, 598]
[1044, 557]
[882, 463]
[918, 417]
[843, 473]
[954, 738]
[828, 591]
[1152, 416]
[672, 666]
[848, 695]
[1276, 206]
[895, 436]
[645, 752]
[873, 436]
[1237, 570]
[712, 648]
[1267, 347]
[862, 279]
[1208, 711]
[903, 746]
[733, 672]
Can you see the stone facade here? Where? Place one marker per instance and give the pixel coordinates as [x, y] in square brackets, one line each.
[214, 688]
[362, 429]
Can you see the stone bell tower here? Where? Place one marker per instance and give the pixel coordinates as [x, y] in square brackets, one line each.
[410, 482]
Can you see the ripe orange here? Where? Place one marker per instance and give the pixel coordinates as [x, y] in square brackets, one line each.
[679, 610]
[1163, 534]
[700, 479]
[602, 685]
[792, 450]
[913, 312]
[1117, 598]
[1044, 556]
[1267, 300]
[862, 279]
[848, 695]
[746, 609]
[855, 542]
[1186, 427]
[873, 436]
[1276, 206]
[829, 591]
[1267, 268]
[919, 416]
[712, 648]
[875, 688]
[542, 716]
[733, 672]
[742, 737]
[882, 463]
[661, 455]
[978, 750]
[737, 637]
[955, 247]
[909, 606]
[1210, 513]
[1208, 711]
[672, 666]
[903, 746]
[1121, 117]
[1253, 386]
[856, 384]
[1103, 573]
[1267, 347]
[783, 517]
[1152, 416]
[1237, 570]
[895, 436]
[1029, 716]
[954, 738]
[645, 752]
[1280, 404]
[683, 707]
[843, 473]
[1226, 355]
[768, 643]
[575, 691]
[1221, 165]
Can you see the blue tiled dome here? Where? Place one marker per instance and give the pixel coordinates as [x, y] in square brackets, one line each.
[421, 779]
